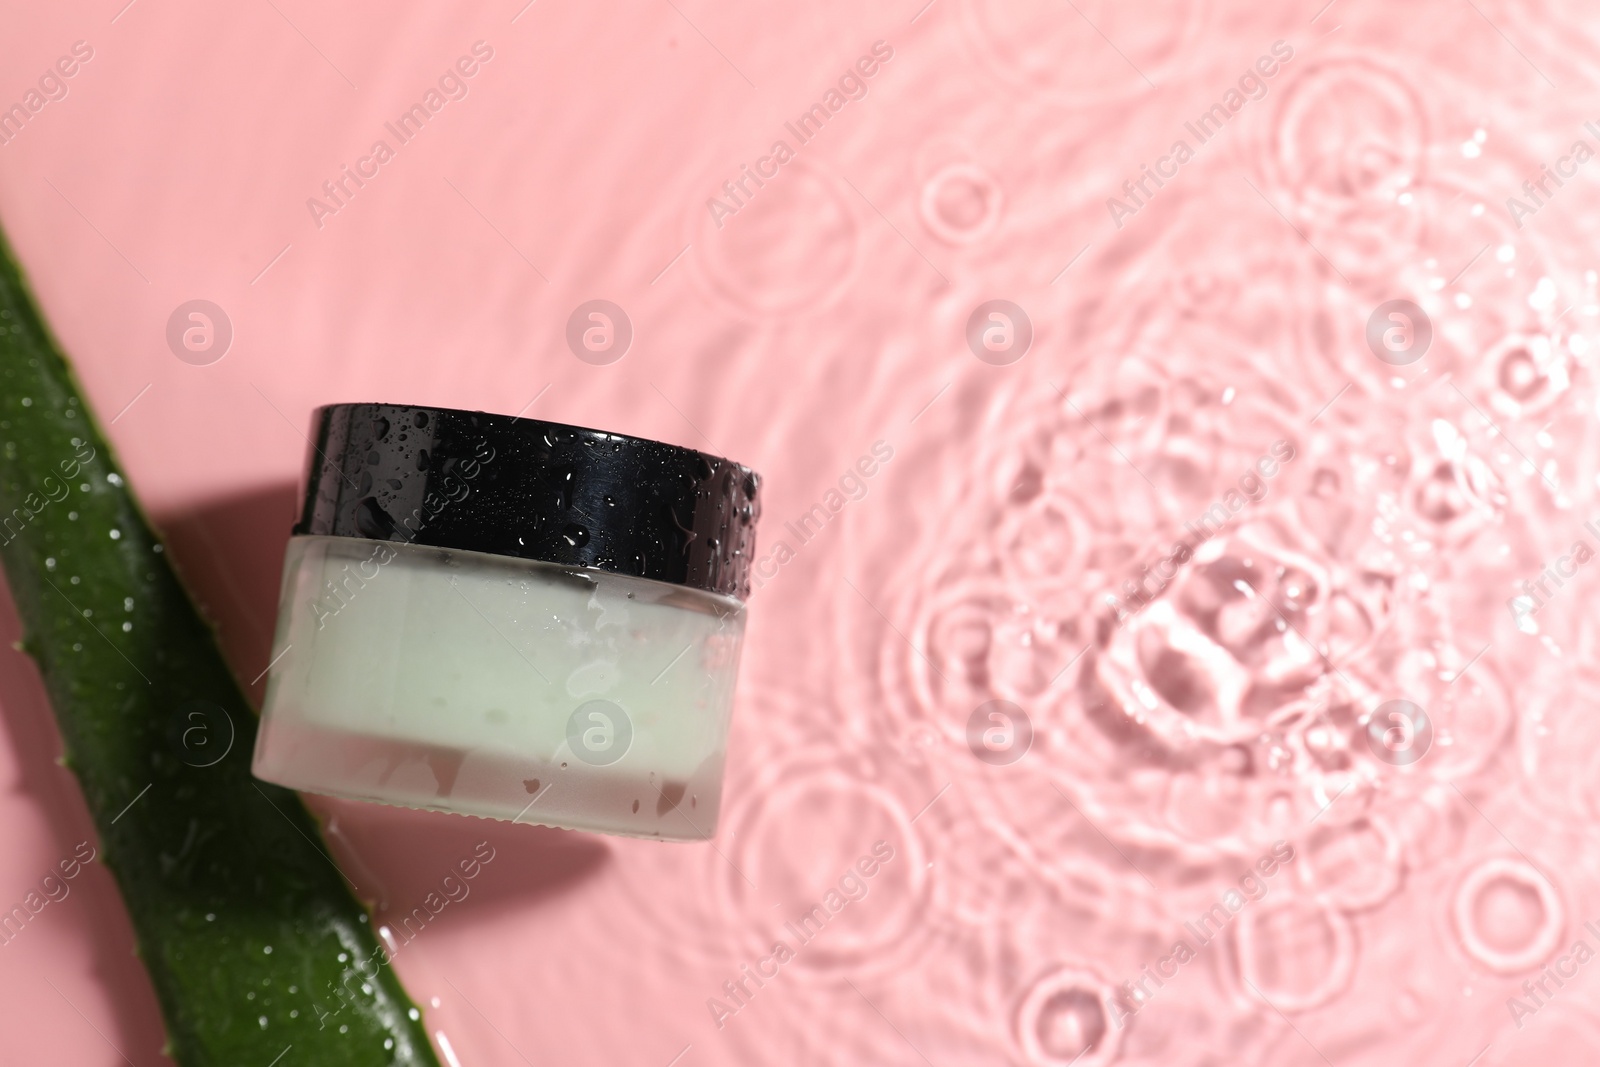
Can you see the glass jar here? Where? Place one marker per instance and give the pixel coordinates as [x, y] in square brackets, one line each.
[513, 619]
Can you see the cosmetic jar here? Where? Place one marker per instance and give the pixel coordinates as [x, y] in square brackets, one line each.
[510, 618]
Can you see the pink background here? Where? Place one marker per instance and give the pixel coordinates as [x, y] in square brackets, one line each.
[829, 312]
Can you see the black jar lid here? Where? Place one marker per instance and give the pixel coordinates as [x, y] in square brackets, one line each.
[536, 490]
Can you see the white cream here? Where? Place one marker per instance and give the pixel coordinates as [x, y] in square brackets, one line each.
[502, 687]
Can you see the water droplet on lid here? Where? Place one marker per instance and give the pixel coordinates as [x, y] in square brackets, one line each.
[372, 521]
[420, 419]
[575, 535]
[380, 427]
[422, 459]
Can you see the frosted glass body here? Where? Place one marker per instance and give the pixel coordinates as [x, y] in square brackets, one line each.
[500, 687]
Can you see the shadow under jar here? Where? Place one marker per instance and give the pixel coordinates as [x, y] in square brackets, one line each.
[510, 618]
